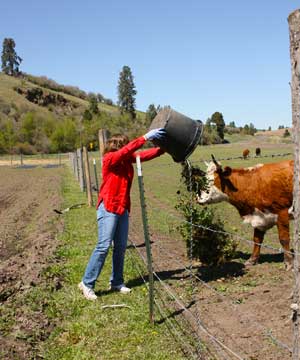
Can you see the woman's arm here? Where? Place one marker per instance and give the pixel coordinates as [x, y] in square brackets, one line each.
[126, 151]
[149, 154]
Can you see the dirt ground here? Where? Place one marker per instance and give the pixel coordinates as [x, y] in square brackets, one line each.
[247, 309]
[28, 228]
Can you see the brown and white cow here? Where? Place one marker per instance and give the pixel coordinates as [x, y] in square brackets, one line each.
[262, 194]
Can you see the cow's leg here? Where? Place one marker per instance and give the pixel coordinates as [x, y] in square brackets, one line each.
[258, 239]
[284, 237]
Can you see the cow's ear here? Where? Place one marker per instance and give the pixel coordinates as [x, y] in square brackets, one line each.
[227, 171]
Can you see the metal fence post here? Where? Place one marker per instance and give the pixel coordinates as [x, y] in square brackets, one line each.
[88, 177]
[294, 26]
[147, 239]
[96, 175]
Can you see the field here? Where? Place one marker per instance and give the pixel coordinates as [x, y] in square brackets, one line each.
[245, 308]
[212, 313]
[28, 239]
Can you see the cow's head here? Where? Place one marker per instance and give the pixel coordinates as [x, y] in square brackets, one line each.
[217, 183]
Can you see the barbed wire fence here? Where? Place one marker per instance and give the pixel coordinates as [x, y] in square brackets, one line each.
[181, 316]
[158, 240]
[195, 339]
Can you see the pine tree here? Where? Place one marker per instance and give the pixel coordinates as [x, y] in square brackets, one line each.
[93, 105]
[10, 60]
[151, 112]
[217, 118]
[126, 92]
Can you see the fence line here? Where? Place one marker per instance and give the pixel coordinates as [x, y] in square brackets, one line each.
[183, 307]
[229, 158]
[196, 319]
[224, 297]
[269, 247]
[175, 331]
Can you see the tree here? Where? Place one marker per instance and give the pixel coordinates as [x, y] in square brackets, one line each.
[126, 92]
[217, 118]
[87, 115]
[93, 105]
[286, 133]
[252, 129]
[232, 124]
[64, 138]
[10, 60]
[100, 97]
[246, 129]
[151, 113]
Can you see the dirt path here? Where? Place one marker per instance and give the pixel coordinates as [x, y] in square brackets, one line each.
[28, 229]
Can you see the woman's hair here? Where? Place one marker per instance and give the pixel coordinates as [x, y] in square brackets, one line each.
[115, 143]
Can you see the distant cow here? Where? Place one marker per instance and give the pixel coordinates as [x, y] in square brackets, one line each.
[246, 153]
[262, 195]
[257, 151]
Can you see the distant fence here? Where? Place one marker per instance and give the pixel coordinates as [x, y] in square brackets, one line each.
[33, 160]
[80, 165]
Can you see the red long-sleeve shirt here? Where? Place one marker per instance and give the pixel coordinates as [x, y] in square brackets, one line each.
[117, 175]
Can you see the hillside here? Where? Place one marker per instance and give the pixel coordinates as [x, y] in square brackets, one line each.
[34, 118]
[9, 97]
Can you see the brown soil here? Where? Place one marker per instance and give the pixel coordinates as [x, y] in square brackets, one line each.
[28, 238]
[247, 309]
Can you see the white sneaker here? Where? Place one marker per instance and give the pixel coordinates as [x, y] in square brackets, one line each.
[87, 292]
[121, 288]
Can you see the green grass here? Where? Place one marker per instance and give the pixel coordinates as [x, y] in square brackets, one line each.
[162, 180]
[85, 330]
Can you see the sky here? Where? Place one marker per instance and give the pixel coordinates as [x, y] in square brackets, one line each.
[196, 56]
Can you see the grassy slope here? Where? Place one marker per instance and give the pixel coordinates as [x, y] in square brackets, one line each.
[9, 96]
[85, 330]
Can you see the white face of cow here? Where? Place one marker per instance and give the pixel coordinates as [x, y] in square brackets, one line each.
[212, 194]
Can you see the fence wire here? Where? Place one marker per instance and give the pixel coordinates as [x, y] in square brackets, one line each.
[196, 351]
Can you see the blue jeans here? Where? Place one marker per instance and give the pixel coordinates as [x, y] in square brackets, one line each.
[111, 228]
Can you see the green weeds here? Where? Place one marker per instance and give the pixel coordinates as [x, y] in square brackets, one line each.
[84, 329]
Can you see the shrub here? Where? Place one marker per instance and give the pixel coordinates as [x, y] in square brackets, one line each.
[211, 247]
[210, 136]
[24, 148]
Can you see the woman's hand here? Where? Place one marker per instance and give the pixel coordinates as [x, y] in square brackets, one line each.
[155, 134]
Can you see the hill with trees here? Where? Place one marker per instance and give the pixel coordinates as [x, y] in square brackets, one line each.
[39, 115]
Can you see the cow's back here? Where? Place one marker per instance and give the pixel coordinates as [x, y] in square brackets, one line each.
[265, 187]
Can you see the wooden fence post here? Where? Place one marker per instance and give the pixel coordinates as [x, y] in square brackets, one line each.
[80, 169]
[71, 157]
[294, 29]
[76, 168]
[102, 135]
[88, 177]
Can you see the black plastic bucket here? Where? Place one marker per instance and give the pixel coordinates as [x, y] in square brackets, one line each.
[183, 133]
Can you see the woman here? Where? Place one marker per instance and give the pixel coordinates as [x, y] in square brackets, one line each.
[113, 207]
